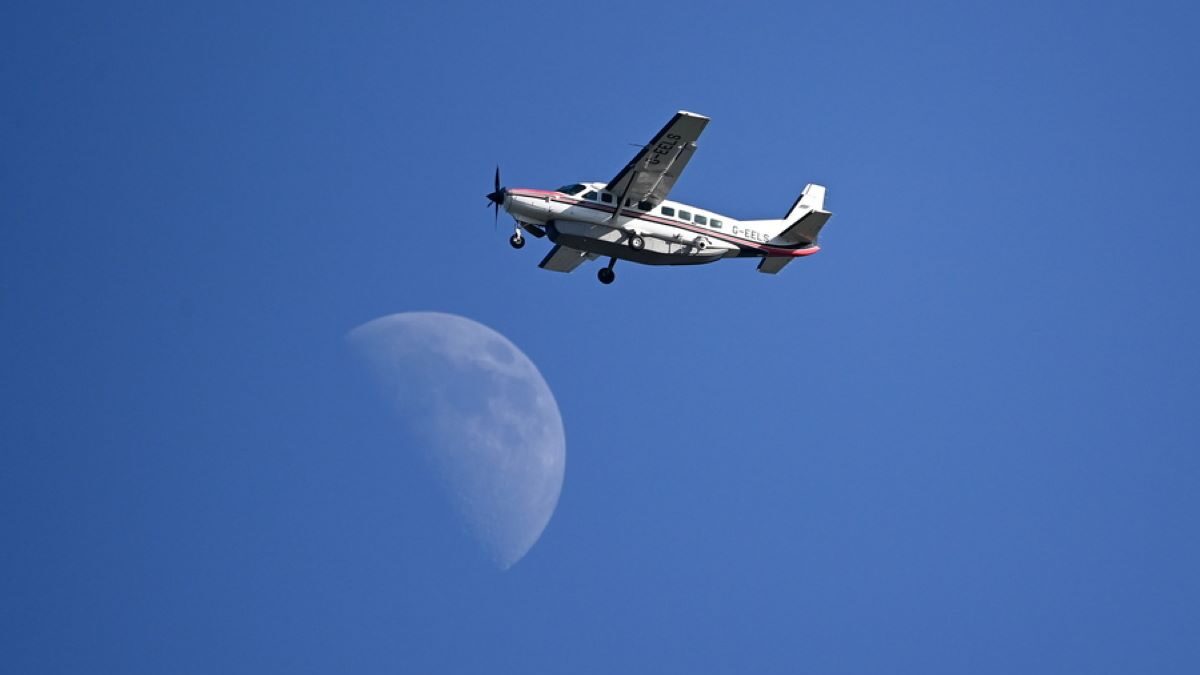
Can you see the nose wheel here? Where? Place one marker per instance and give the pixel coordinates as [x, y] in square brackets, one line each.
[606, 274]
[516, 240]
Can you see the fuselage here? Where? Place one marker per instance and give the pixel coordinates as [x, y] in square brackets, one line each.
[581, 215]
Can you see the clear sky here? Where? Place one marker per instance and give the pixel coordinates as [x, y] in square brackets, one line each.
[962, 438]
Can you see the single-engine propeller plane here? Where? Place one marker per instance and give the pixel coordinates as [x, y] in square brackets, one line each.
[630, 218]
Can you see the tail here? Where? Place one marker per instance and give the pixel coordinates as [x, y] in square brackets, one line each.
[807, 216]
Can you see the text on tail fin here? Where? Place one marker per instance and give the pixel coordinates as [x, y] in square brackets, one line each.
[807, 216]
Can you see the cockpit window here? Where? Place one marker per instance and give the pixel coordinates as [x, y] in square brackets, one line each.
[606, 198]
[572, 189]
[591, 195]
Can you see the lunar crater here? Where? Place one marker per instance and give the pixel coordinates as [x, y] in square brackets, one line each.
[486, 419]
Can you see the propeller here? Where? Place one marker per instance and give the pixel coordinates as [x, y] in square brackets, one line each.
[496, 197]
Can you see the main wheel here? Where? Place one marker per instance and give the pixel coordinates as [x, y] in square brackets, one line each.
[606, 275]
[516, 241]
[637, 243]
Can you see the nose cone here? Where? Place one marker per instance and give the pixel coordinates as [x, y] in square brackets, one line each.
[497, 197]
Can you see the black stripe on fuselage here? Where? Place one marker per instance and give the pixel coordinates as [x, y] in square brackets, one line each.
[637, 215]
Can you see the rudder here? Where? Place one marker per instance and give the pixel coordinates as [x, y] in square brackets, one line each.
[807, 216]
[813, 198]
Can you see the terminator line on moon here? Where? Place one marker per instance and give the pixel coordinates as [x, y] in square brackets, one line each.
[629, 217]
[488, 422]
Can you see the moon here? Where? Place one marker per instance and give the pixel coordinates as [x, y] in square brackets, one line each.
[486, 418]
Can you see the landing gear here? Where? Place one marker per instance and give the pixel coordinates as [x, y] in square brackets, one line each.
[606, 274]
[636, 243]
[516, 241]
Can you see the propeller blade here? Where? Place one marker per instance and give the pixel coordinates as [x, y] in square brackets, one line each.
[496, 197]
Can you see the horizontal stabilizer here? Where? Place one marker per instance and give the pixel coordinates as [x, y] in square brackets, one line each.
[805, 230]
[806, 217]
[772, 265]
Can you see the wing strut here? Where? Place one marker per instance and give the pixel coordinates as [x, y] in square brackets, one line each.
[621, 201]
[666, 171]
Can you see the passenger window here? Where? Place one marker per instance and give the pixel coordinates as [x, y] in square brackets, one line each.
[606, 198]
[715, 223]
[645, 206]
[701, 220]
[668, 211]
[592, 195]
[685, 215]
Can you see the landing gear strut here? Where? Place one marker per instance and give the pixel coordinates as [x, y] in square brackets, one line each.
[516, 241]
[606, 274]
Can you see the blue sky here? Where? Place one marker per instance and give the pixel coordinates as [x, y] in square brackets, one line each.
[962, 438]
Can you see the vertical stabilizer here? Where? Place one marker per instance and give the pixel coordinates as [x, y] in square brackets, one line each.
[807, 216]
[812, 199]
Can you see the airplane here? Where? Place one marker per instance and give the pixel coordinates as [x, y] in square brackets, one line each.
[630, 217]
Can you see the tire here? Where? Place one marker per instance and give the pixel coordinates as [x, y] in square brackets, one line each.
[606, 276]
[516, 241]
[637, 243]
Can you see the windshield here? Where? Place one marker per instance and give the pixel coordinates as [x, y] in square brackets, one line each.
[573, 189]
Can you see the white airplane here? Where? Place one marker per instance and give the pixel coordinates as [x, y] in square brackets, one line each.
[630, 218]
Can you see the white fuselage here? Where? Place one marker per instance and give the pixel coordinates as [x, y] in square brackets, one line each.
[673, 233]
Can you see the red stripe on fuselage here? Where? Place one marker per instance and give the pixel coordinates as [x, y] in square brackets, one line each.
[637, 215]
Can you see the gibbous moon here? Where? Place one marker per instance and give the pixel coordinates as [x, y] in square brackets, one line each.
[487, 419]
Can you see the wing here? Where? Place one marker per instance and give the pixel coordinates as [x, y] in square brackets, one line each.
[651, 174]
[563, 259]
